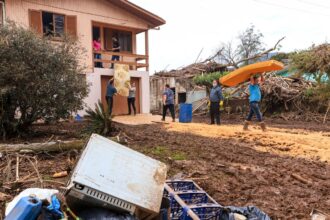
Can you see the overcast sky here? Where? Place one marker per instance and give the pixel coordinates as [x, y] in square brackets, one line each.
[195, 24]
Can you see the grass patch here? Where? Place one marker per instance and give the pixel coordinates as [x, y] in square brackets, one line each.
[47, 177]
[164, 152]
[179, 156]
[159, 151]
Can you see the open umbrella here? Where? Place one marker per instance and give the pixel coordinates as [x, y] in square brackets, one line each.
[242, 74]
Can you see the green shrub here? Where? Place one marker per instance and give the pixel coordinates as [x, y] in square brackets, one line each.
[39, 80]
[207, 78]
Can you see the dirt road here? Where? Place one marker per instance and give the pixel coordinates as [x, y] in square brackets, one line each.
[285, 172]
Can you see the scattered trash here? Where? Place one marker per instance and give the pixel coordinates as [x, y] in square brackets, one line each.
[78, 118]
[41, 194]
[319, 215]
[60, 174]
[113, 182]
[113, 176]
[55, 207]
[250, 213]
[27, 207]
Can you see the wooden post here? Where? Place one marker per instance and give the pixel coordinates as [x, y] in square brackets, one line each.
[146, 38]
[134, 48]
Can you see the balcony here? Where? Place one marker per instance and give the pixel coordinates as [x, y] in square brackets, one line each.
[134, 61]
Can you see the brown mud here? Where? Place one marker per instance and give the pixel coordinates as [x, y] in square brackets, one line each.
[284, 171]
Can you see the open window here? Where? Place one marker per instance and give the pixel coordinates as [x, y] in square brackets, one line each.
[52, 24]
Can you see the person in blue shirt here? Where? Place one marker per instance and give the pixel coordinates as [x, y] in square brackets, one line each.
[168, 102]
[214, 102]
[254, 100]
[111, 91]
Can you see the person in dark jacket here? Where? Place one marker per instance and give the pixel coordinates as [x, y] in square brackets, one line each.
[115, 48]
[111, 91]
[168, 102]
[214, 102]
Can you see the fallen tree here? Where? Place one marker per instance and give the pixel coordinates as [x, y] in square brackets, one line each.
[53, 146]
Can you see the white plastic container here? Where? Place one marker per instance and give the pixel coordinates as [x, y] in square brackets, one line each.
[117, 177]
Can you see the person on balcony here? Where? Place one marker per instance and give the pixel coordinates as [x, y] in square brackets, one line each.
[97, 47]
[111, 91]
[131, 98]
[115, 48]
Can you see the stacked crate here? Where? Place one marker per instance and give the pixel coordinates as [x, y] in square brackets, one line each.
[189, 201]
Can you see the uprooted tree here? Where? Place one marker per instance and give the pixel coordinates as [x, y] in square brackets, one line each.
[38, 79]
[249, 48]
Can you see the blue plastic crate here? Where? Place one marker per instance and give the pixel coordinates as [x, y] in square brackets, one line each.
[194, 197]
[190, 197]
[180, 185]
[204, 212]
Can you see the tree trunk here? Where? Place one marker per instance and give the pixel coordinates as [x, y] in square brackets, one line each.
[48, 147]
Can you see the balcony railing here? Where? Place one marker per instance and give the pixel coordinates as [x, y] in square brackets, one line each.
[134, 61]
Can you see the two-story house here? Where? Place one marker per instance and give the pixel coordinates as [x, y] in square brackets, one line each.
[90, 20]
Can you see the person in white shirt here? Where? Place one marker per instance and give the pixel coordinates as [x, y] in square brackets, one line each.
[131, 99]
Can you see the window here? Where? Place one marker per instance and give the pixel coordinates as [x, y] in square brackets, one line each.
[53, 24]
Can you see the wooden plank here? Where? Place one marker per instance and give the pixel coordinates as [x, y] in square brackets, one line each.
[114, 61]
[35, 20]
[146, 38]
[121, 54]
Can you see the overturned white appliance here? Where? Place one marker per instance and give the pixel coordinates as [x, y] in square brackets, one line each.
[114, 176]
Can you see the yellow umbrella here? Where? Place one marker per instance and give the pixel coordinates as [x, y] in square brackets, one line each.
[242, 74]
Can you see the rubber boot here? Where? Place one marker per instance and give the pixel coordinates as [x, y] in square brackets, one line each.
[263, 126]
[246, 125]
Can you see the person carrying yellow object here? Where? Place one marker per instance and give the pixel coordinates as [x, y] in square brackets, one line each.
[215, 99]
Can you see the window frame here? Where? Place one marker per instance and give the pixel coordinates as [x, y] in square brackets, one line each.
[53, 37]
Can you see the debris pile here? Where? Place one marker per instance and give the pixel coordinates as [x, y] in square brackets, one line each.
[285, 92]
[194, 69]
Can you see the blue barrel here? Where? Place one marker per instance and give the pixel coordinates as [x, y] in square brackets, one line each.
[185, 113]
[27, 208]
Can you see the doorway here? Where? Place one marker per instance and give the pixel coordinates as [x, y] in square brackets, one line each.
[120, 106]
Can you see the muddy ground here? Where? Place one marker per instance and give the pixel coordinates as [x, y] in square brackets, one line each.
[285, 171]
